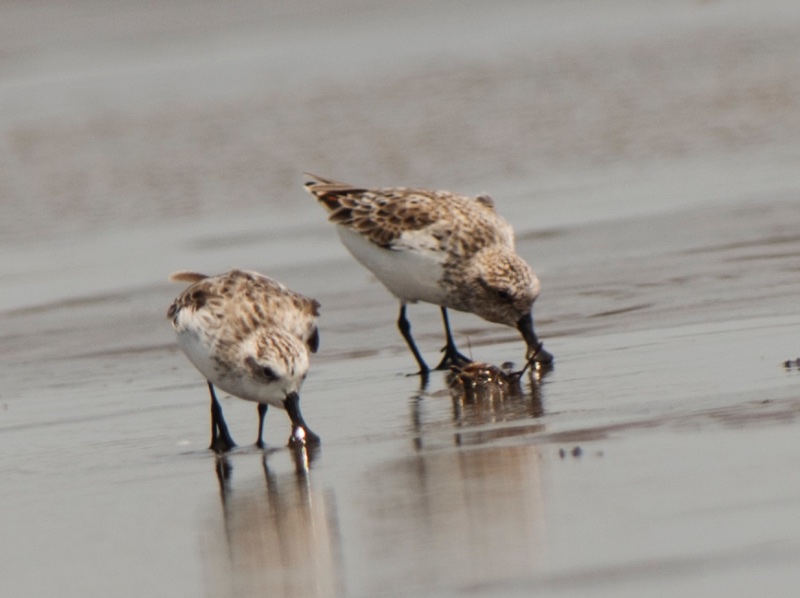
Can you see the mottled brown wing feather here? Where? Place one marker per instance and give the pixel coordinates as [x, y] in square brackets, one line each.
[381, 215]
[457, 222]
[260, 292]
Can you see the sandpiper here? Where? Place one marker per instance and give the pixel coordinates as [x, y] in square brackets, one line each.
[249, 335]
[438, 247]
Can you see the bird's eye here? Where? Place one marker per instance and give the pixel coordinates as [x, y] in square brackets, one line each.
[269, 373]
[504, 295]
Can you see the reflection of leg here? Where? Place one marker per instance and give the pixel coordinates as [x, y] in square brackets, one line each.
[303, 455]
[221, 440]
[405, 329]
[300, 432]
[269, 478]
[223, 468]
[262, 411]
[451, 354]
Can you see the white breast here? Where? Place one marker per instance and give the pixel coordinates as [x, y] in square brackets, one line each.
[226, 372]
[198, 347]
[198, 340]
[411, 272]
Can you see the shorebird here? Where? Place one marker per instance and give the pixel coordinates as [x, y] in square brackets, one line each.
[437, 247]
[249, 335]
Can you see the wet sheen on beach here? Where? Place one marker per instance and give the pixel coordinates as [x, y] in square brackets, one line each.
[646, 155]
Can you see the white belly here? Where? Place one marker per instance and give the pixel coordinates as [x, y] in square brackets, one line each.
[199, 347]
[410, 274]
[196, 344]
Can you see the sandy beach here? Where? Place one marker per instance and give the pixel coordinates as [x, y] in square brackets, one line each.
[647, 155]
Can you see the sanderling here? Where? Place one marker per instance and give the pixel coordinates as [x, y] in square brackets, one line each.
[438, 247]
[250, 336]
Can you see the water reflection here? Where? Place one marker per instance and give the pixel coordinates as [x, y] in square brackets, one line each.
[459, 519]
[278, 541]
[463, 510]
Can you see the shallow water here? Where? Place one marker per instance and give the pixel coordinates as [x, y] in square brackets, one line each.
[646, 155]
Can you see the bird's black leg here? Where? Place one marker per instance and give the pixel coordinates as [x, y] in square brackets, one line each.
[262, 411]
[405, 329]
[451, 354]
[221, 440]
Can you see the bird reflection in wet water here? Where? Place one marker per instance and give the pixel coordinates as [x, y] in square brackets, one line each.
[280, 540]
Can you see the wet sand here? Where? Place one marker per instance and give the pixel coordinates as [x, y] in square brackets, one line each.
[647, 157]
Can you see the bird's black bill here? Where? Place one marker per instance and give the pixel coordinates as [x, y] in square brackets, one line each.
[535, 350]
[300, 431]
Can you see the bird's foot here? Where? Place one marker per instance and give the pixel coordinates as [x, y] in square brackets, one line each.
[452, 358]
[221, 444]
